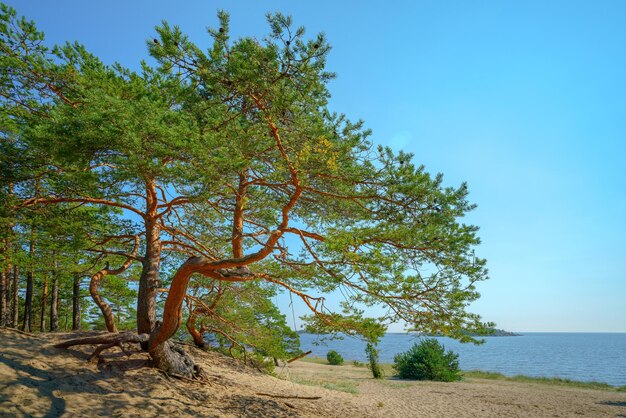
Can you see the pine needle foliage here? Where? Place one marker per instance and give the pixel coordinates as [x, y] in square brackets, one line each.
[428, 360]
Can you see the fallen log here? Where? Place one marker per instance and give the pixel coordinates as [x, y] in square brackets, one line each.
[308, 398]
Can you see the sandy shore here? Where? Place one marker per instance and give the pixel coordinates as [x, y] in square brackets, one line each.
[471, 398]
[41, 381]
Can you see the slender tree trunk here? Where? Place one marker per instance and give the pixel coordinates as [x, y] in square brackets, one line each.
[4, 279]
[28, 303]
[149, 279]
[6, 315]
[7, 295]
[30, 278]
[5, 276]
[54, 304]
[5, 300]
[76, 303]
[15, 305]
[44, 303]
[67, 313]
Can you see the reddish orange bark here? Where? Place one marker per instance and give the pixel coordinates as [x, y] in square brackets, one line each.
[106, 310]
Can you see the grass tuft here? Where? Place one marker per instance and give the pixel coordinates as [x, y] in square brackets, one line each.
[479, 374]
[314, 359]
[338, 386]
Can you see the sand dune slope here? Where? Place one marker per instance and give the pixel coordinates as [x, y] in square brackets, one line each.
[39, 380]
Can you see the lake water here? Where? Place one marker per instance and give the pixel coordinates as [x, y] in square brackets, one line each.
[578, 356]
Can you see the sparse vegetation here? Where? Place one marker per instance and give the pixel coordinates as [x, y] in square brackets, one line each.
[340, 386]
[389, 369]
[395, 384]
[372, 356]
[479, 374]
[314, 359]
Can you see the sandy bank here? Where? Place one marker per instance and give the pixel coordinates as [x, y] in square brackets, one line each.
[41, 381]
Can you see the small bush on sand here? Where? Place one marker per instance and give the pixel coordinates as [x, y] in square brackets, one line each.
[334, 358]
[428, 360]
[372, 356]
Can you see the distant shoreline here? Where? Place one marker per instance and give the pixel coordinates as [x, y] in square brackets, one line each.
[489, 375]
[533, 354]
[494, 333]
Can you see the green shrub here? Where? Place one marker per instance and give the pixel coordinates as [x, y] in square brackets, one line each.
[372, 356]
[334, 358]
[428, 360]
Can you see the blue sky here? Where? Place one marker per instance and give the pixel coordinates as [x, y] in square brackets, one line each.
[526, 101]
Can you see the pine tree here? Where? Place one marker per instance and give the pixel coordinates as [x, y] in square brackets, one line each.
[236, 151]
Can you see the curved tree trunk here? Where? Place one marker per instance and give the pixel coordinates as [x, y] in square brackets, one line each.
[196, 335]
[105, 308]
[168, 357]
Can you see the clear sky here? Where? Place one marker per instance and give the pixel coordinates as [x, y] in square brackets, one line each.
[524, 100]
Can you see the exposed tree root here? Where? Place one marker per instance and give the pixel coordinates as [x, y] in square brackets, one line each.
[30, 334]
[122, 337]
[168, 356]
[173, 360]
[198, 379]
[105, 342]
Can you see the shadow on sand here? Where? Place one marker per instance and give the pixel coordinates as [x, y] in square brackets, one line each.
[47, 387]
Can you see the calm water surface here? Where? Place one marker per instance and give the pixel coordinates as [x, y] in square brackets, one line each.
[577, 356]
